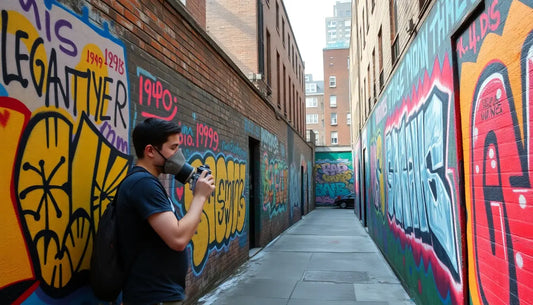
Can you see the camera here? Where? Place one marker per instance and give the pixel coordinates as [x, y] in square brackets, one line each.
[199, 170]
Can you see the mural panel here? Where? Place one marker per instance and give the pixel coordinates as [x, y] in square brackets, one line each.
[334, 176]
[64, 114]
[421, 184]
[411, 178]
[496, 96]
[275, 175]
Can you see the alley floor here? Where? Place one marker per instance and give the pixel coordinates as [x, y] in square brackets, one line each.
[327, 258]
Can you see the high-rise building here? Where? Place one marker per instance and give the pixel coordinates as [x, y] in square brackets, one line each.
[338, 27]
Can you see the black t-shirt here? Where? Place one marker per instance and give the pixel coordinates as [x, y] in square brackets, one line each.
[157, 272]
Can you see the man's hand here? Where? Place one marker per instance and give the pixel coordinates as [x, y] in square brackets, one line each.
[205, 185]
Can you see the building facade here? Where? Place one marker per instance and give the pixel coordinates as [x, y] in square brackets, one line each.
[441, 97]
[314, 104]
[76, 77]
[337, 114]
[258, 36]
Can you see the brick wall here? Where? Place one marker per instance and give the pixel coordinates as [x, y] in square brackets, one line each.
[68, 113]
[254, 37]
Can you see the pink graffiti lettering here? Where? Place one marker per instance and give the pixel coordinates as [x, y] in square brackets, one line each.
[206, 136]
[487, 22]
[163, 100]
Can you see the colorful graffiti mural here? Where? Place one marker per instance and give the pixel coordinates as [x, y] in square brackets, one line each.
[65, 117]
[496, 96]
[410, 182]
[275, 175]
[224, 214]
[421, 185]
[334, 176]
[415, 146]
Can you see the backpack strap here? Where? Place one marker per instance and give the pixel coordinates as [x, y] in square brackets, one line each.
[133, 171]
[136, 169]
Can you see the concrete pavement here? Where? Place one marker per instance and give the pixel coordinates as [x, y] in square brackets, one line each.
[326, 258]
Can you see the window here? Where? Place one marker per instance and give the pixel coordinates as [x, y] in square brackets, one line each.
[268, 60]
[332, 24]
[395, 48]
[310, 88]
[316, 137]
[374, 73]
[332, 81]
[312, 118]
[289, 47]
[368, 86]
[393, 18]
[290, 111]
[284, 90]
[332, 101]
[283, 31]
[364, 94]
[380, 58]
[347, 23]
[278, 79]
[277, 16]
[311, 102]
[334, 118]
[334, 138]
[349, 119]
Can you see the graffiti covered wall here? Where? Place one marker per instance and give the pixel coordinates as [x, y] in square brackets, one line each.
[73, 83]
[333, 176]
[496, 91]
[410, 175]
[448, 249]
[64, 111]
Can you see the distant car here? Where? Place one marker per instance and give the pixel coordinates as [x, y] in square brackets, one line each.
[345, 201]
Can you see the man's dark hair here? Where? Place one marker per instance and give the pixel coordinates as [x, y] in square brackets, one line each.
[152, 131]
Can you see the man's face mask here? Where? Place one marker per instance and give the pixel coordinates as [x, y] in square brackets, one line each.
[177, 166]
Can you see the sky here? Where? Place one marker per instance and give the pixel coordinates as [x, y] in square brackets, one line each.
[308, 22]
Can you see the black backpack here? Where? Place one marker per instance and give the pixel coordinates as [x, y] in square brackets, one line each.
[107, 274]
